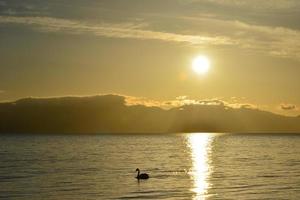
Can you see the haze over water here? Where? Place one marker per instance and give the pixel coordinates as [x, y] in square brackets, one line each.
[181, 166]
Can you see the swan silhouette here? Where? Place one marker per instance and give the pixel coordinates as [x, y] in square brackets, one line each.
[141, 176]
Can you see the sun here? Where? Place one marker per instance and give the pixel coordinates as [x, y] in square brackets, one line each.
[201, 65]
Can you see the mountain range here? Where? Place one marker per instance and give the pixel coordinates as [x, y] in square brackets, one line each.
[111, 114]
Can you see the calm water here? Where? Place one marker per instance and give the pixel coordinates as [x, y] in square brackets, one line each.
[187, 166]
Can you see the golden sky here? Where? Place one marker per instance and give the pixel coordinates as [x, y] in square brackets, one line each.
[145, 48]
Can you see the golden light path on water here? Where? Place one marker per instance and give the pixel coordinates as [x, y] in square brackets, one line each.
[200, 146]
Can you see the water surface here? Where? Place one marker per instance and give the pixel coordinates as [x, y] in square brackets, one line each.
[181, 166]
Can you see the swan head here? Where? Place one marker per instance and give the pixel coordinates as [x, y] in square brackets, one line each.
[137, 170]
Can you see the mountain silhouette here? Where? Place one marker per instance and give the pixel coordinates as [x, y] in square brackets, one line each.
[110, 114]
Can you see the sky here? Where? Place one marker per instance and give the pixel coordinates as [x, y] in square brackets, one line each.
[145, 49]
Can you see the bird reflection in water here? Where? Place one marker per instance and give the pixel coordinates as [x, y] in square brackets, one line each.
[200, 147]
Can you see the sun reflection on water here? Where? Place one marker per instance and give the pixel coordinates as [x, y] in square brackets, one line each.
[200, 146]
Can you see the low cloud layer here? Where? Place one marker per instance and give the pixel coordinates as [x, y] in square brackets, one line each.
[234, 103]
[288, 107]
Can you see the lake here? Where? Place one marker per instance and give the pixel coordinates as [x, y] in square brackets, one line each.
[181, 166]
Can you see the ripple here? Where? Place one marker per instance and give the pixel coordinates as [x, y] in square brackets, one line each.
[102, 167]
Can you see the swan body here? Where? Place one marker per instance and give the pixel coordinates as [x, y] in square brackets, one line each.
[141, 176]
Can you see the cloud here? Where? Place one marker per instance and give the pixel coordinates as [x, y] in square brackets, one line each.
[177, 102]
[288, 107]
[180, 101]
[2, 3]
[275, 41]
[253, 4]
[124, 30]
[132, 101]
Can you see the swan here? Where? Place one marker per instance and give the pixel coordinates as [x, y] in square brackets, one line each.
[141, 176]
